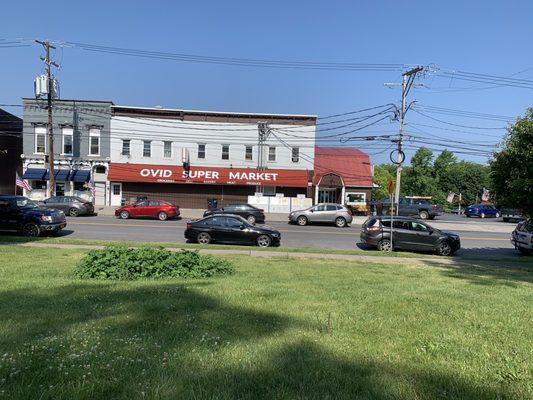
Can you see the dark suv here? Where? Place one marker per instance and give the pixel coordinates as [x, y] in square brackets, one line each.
[20, 214]
[248, 212]
[408, 234]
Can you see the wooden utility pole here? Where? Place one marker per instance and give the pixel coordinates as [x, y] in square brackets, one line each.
[48, 63]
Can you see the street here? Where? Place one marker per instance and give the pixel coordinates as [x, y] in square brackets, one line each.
[479, 238]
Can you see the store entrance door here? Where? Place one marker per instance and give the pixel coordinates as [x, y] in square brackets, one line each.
[327, 195]
[116, 194]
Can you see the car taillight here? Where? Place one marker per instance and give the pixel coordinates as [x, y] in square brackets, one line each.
[372, 228]
[434, 207]
[189, 225]
[350, 212]
[261, 210]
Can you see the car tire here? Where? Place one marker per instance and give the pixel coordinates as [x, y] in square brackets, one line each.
[264, 241]
[251, 219]
[497, 215]
[31, 230]
[73, 212]
[482, 215]
[444, 249]
[423, 214]
[340, 222]
[203, 238]
[384, 245]
[301, 220]
[162, 216]
[124, 215]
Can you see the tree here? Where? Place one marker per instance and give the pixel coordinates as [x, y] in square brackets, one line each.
[512, 167]
[418, 179]
[382, 173]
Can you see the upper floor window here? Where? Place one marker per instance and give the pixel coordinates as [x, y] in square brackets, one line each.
[40, 139]
[225, 151]
[94, 142]
[201, 150]
[147, 148]
[272, 153]
[248, 156]
[295, 154]
[167, 149]
[126, 147]
[67, 140]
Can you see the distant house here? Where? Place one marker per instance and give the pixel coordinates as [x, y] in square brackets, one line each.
[10, 151]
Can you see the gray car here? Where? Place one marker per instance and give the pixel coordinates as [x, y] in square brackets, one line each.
[323, 213]
[70, 205]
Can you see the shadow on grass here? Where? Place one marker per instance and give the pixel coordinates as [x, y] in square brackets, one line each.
[168, 341]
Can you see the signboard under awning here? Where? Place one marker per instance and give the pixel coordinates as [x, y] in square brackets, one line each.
[206, 175]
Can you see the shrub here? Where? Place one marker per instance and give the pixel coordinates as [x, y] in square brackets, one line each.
[120, 262]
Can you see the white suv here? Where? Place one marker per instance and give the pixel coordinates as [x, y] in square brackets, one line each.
[522, 237]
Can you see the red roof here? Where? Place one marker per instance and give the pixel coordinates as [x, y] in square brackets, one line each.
[352, 165]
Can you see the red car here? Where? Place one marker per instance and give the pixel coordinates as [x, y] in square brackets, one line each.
[149, 209]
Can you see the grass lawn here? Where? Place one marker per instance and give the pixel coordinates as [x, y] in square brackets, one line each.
[277, 329]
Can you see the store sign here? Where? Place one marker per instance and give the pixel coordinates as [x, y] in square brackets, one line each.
[206, 175]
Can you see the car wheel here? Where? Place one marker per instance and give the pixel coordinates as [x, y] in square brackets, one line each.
[162, 216]
[444, 249]
[251, 219]
[264, 241]
[203, 238]
[301, 220]
[497, 215]
[423, 214]
[73, 212]
[340, 222]
[384, 245]
[124, 214]
[482, 215]
[31, 230]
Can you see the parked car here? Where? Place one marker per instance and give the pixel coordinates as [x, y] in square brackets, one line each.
[149, 209]
[250, 213]
[512, 214]
[230, 228]
[336, 214]
[408, 207]
[522, 237]
[70, 205]
[482, 211]
[408, 234]
[22, 215]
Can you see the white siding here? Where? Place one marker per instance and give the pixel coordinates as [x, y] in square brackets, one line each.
[213, 135]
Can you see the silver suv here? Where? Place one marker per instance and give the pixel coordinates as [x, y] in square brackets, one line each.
[323, 213]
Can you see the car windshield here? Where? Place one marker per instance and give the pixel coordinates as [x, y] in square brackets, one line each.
[77, 199]
[26, 203]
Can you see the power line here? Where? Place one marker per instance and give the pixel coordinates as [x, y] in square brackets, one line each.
[458, 125]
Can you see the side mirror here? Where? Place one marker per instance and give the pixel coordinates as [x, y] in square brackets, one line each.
[241, 227]
[312, 210]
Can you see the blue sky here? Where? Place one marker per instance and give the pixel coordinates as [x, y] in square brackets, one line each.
[476, 36]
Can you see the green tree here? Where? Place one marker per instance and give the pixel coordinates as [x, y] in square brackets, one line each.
[382, 173]
[512, 167]
[419, 178]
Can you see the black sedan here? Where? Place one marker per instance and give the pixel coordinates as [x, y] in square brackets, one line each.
[250, 213]
[232, 229]
[408, 234]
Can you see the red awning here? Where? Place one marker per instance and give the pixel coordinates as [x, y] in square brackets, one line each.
[206, 175]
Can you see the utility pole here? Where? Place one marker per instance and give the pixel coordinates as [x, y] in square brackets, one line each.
[263, 131]
[48, 63]
[408, 79]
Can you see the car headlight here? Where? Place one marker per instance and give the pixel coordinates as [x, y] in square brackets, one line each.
[46, 218]
[275, 234]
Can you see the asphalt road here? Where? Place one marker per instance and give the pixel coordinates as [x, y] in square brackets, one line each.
[474, 242]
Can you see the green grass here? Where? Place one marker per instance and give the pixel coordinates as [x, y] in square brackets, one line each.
[277, 329]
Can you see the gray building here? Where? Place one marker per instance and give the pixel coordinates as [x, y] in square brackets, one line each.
[10, 150]
[81, 147]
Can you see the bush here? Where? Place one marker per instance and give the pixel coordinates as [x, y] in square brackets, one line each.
[120, 262]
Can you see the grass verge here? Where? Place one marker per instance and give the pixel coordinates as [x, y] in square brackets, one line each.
[278, 328]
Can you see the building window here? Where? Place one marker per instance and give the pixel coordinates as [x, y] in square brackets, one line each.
[269, 191]
[147, 148]
[67, 140]
[225, 151]
[126, 147]
[38, 185]
[201, 150]
[248, 155]
[295, 154]
[271, 153]
[167, 149]
[99, 169]
[40, 139]
[94, 142]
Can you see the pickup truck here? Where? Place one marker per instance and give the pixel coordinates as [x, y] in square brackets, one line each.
[512, 214]
[408, 207]
[21, 215]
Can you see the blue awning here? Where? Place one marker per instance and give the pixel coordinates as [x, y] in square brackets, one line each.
[80, 175]
[60, 175]
[36, 174]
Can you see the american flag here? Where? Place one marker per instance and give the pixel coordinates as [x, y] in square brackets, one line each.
[450, 197]
[90, 185]
[22, 183]
[485, 196]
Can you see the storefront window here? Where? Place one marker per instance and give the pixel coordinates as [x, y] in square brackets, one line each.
[356, 198]
[38, 185]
